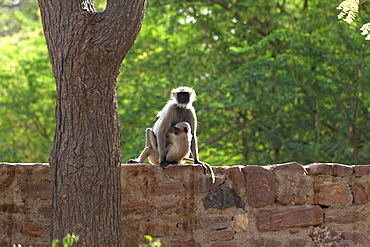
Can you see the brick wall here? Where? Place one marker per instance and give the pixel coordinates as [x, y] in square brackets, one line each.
[280, 205]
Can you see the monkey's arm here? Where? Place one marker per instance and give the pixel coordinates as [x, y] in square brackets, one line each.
[161, 139]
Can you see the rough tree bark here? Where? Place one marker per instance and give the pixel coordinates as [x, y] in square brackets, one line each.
[86, 50]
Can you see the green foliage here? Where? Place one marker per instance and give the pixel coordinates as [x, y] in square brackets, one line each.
[276, 81]
[27, 94]
[100, 4]
[152, 243]
[68, 240]
[18, 16]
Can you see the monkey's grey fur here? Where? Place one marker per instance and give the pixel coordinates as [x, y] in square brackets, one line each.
[179, 109]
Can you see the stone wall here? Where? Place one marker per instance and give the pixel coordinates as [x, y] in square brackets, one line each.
[25, 204]
[279, 205]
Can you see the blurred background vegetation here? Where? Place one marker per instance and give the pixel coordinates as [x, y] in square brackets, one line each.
[277, 81]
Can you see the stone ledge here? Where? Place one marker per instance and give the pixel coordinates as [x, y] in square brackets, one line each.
[282, 204]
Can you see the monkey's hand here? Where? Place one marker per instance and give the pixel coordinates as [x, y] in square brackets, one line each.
[206, 167]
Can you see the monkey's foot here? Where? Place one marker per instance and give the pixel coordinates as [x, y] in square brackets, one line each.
[173, 162]
[132, 161]
[163, 164]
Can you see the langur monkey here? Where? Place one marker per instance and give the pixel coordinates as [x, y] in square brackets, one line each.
[177, 147]
[178, 109]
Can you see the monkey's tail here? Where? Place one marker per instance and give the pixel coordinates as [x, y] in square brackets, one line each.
[212, 174]
[206, 167]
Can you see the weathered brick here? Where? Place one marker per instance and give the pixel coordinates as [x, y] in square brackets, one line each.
[260, 185]
[194, 177]
[361, 170]
[180, 208]
[9, 225]
[160, 229]
[176, 243]
[128, 223]
[285, 191]
[45, 211]
[241, 222]
[303, 190]
[223, 244]
[357, 238]
[293, 185]
[136, 179]
[37, 189]
[167, 188]
[327, 194]
[297, 242]
[293, 230]
[40, 168]
[223, 197]
[141, 208]
[262, 241]
[4, 242]
[130, 241]
[330, 169]
[237, 179]
[196, 223]
[342, 170]
[7, 173]
[132, 231]
[269, 219]
[185, 172]
[221, 235]
[4, 224]
[293, 167]
[341, 216]
[23, 168]
[46, 244]
[203, 185]
[323, 235]
[134, 171]
[359, 193]
[320, 168]
[33, 230]
[10, 208]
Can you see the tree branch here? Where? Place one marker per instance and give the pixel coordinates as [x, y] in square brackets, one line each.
[223, 5]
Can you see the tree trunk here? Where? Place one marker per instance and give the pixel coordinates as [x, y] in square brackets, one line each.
[86, 50]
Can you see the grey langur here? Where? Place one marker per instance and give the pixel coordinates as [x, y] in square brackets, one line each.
[179, 109]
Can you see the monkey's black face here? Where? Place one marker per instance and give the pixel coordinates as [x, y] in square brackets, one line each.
[183, 97]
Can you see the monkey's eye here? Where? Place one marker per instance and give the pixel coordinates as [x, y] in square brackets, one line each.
[176, 131]
[186, 130]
